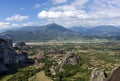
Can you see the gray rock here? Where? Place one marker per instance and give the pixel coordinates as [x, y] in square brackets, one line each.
[6, 51]
[3, 68]
[71, 59]
[98, 75]
[20, 44]
[8, 54]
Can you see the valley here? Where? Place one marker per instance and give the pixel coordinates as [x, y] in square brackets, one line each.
[67, 61]
[54, 53]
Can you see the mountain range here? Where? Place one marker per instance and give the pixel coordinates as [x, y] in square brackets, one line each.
[98, 30]
[42, 33]
[56, 32]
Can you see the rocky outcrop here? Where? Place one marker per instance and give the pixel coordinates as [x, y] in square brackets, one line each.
[8, 54]
[19, 44]
[115, 75]
[21, 57]
[71, 59]
[100, 75]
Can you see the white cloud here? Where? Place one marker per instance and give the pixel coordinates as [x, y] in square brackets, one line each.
[65, 11]
[80, 12]
[63, 8]
[59, 1]
[84, 12]
[8, 24]
[17, 24]
[37, 5]
[74, 13]
[109, 2]
[62, 14]
[4, 24]
[79, 2]
[17, 18]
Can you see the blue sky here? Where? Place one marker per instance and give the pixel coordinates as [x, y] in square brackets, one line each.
[68, 13]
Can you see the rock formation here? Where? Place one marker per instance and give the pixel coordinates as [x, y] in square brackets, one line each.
[99, 75]
[20, 44]
[71, 59]
[115, 75]
[8, 54]
[3, 68]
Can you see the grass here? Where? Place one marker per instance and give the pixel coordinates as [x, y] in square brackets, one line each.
[40, 77]
[6, 77]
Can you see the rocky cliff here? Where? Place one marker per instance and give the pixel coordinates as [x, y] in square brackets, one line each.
[115, 75]
[100, 75]
[71, 59]
[8, 54]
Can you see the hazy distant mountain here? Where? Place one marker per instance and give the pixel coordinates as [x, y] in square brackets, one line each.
[99, 30]
[42, 33]
[110, 30]
[57, 32]
[81, 30]
[4, 29]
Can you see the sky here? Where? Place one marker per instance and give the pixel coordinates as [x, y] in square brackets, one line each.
[68, 13]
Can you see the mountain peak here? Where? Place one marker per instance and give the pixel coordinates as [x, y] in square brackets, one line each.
[53, 24]
[42, 33]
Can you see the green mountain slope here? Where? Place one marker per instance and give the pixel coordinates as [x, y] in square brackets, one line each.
[41, 33]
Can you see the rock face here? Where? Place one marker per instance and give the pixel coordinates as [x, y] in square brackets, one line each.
[3, 68]
[71, 59]
[115, 75]
[21, 57]
[8, 54]
[98, 75]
